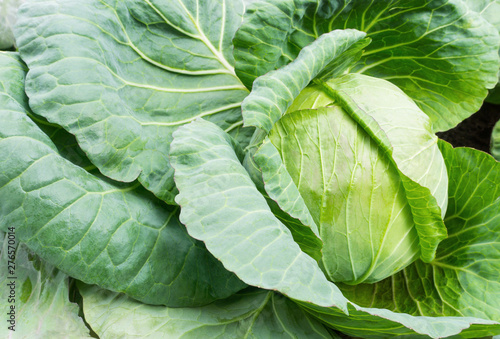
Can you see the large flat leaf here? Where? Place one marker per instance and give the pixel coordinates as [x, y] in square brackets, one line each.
[489, 9]
[442, 55]
[123, 75]
[251, 313]
[464, 278]
[377, 323]
[115, 235]
[222, 207]
[12, 77]
[41, 298]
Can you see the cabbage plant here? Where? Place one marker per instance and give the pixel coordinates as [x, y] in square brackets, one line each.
[248, 169]
[363, 186]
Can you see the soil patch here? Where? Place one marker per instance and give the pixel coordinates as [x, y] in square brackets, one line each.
[474, 132]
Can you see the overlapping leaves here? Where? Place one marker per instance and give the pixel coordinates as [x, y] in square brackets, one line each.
[116, 235]
[463, 280]
[391, 119]
[40, 299]
[221, 206]
[123, 75]
[8, 9]
[274, 92]
[251, 313]
[439, 52]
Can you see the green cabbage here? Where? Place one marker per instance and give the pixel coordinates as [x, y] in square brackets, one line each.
[352, 184]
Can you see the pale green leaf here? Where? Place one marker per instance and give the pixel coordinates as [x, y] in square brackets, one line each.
[364, 177]
[8, 15]
[222, 207]
[41, 295]
[123, 75]
[281, 189]
[490, 10]
[251, 313]
[12, 76]
[403, 131]
[376, 323]
[353, 192]
[464, 278]
[115, 235]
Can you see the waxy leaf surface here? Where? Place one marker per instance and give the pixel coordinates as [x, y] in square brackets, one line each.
[440, 53]
[41, 295]
[123, 75]
[115, 235]
[251, 313]
[392, 119]
[275, 91]
[221, 206]
[463, 280]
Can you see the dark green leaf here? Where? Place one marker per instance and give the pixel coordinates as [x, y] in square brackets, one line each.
[495, 141]
[441, 54]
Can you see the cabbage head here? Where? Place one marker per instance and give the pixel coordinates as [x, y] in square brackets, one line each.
[357, 156]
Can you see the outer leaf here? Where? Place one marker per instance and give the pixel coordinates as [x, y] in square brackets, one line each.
[123, 75]
[495, 141]
[250, 313]
[12, 76]
[12, 73]
[489, 9]
[42, 307]
[281, 189]
[440, 53]
[464, 278]
[8, 10]
[91, 228]
[261, 44]
[222, 207]
[470, 256]
[375, 105]
[373, 323]
[274, 92]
